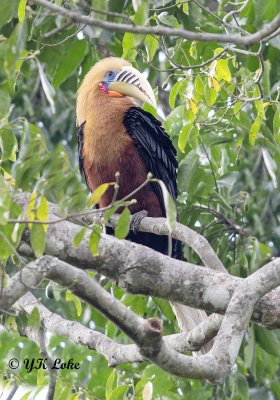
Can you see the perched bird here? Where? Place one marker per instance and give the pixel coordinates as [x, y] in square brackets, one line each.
[115, 134]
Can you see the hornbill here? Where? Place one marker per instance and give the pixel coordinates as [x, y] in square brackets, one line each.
[115, 134]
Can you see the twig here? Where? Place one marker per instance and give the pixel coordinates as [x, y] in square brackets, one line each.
[58, 29]
[248, 40]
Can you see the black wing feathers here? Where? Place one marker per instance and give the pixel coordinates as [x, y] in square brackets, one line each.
[155, 148]
[159, 155]
[80, 138]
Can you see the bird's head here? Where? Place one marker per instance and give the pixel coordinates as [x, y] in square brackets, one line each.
[115, 77]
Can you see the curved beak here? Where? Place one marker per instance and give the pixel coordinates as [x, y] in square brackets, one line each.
[130, 82]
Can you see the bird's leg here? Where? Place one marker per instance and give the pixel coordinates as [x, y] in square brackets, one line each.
[101, 214]
[136, 220]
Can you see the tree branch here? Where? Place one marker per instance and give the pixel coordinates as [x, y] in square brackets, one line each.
[215, 365]
[115, 353]
[136, 268]
[248, 40]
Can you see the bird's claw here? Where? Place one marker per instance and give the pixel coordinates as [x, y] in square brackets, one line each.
[136, 220]
[101, 214]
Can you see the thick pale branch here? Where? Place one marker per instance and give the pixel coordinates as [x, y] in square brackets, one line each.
[147, 333]
[248, 40]
[136, 269]
[181, 232]
[114, 352]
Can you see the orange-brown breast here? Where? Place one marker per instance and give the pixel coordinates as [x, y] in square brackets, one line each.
[108, 148]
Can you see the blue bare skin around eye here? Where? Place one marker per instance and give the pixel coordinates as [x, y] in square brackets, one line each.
[108, 79]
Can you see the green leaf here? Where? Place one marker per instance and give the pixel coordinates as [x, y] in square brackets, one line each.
[151, 45]
[16, 49]
[241, 390]
[42, 378]
[210, 95]
[119, 393]
[8, 144]
[70, 61]
[77, 302]
[5, 101]
[108, 213]
[34, 319]
[123, 224]
[128, 46]
[38, 239]
[193, 50]
[98, 193]
[198, 88]
[21, 10]
[165, 308]
[79, 237]
[268, 341]
[266, 10]
[42, 211]
[175, 90]
[184, 134]
[276, 125]
[111, 383]
[47, 87]
[168, 20]
[8, 9]
[94, 240]
[170, 208]
[193, 136]
[183, 137]
[249, 350]
[236, 109]
[265, 81]
[185, 6]
[142, 12]
[254, 130]
[222, 70]
[174, 121]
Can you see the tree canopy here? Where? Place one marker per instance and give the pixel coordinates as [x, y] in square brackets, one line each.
[215, 69]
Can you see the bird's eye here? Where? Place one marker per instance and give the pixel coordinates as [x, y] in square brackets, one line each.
[110, 74]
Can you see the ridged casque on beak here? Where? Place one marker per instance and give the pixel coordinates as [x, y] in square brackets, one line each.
[130, 82]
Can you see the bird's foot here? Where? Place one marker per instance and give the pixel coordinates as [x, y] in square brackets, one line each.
[101, 214]
[136, 220]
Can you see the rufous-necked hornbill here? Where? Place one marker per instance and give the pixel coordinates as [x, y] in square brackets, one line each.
[115, 134]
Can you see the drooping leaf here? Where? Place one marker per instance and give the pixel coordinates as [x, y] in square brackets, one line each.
[170, 208]
[42, 211]
[268, 341]
[222, 70]
[79, 237]
[38, 239]
[111, 384]
[254, 130]
[98, 193]
[72, 58]
[8, 9]
[8, 144]
[151, 45]
[123, 224]
[128, 46]
[34, 319]
[169, 20]
[21, 10]
[94, 240]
